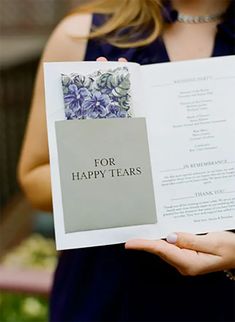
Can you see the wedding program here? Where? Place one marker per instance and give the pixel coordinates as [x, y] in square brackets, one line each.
[140, 151]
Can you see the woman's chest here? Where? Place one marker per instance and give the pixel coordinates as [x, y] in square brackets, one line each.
[190, 41]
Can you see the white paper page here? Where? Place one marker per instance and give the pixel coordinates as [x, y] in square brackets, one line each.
[191, 127]
[55, 112]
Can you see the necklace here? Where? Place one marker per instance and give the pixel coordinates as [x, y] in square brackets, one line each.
[199, 19]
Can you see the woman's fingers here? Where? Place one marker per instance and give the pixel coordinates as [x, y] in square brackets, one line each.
[211, 243]
[104, 59]
[158, 247]
[201, 243]
[186, 261]
[172, 254]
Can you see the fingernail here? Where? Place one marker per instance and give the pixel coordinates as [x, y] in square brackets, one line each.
[172, 238]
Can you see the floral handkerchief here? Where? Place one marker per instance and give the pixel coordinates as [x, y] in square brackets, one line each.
[103, 94]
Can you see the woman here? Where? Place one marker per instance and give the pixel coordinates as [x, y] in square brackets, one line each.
[112, 283]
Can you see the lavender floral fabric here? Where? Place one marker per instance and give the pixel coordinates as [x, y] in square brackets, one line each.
[104, 94]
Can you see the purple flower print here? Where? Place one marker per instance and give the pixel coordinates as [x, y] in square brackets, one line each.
[116, 111]
[74, 100]
[97, 106]
[102, 94]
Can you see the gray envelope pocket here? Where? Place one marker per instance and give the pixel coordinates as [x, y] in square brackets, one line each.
[105, 173]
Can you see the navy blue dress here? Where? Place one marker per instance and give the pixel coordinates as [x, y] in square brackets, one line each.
[112, 284]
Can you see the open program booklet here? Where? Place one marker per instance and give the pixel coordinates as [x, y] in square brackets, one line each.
[140, 151]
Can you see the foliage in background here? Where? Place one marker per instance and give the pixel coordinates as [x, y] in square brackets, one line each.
[36, 252]
[23, 308]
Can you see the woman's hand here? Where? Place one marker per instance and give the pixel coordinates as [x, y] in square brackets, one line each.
[192, 254]
[122, 60]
